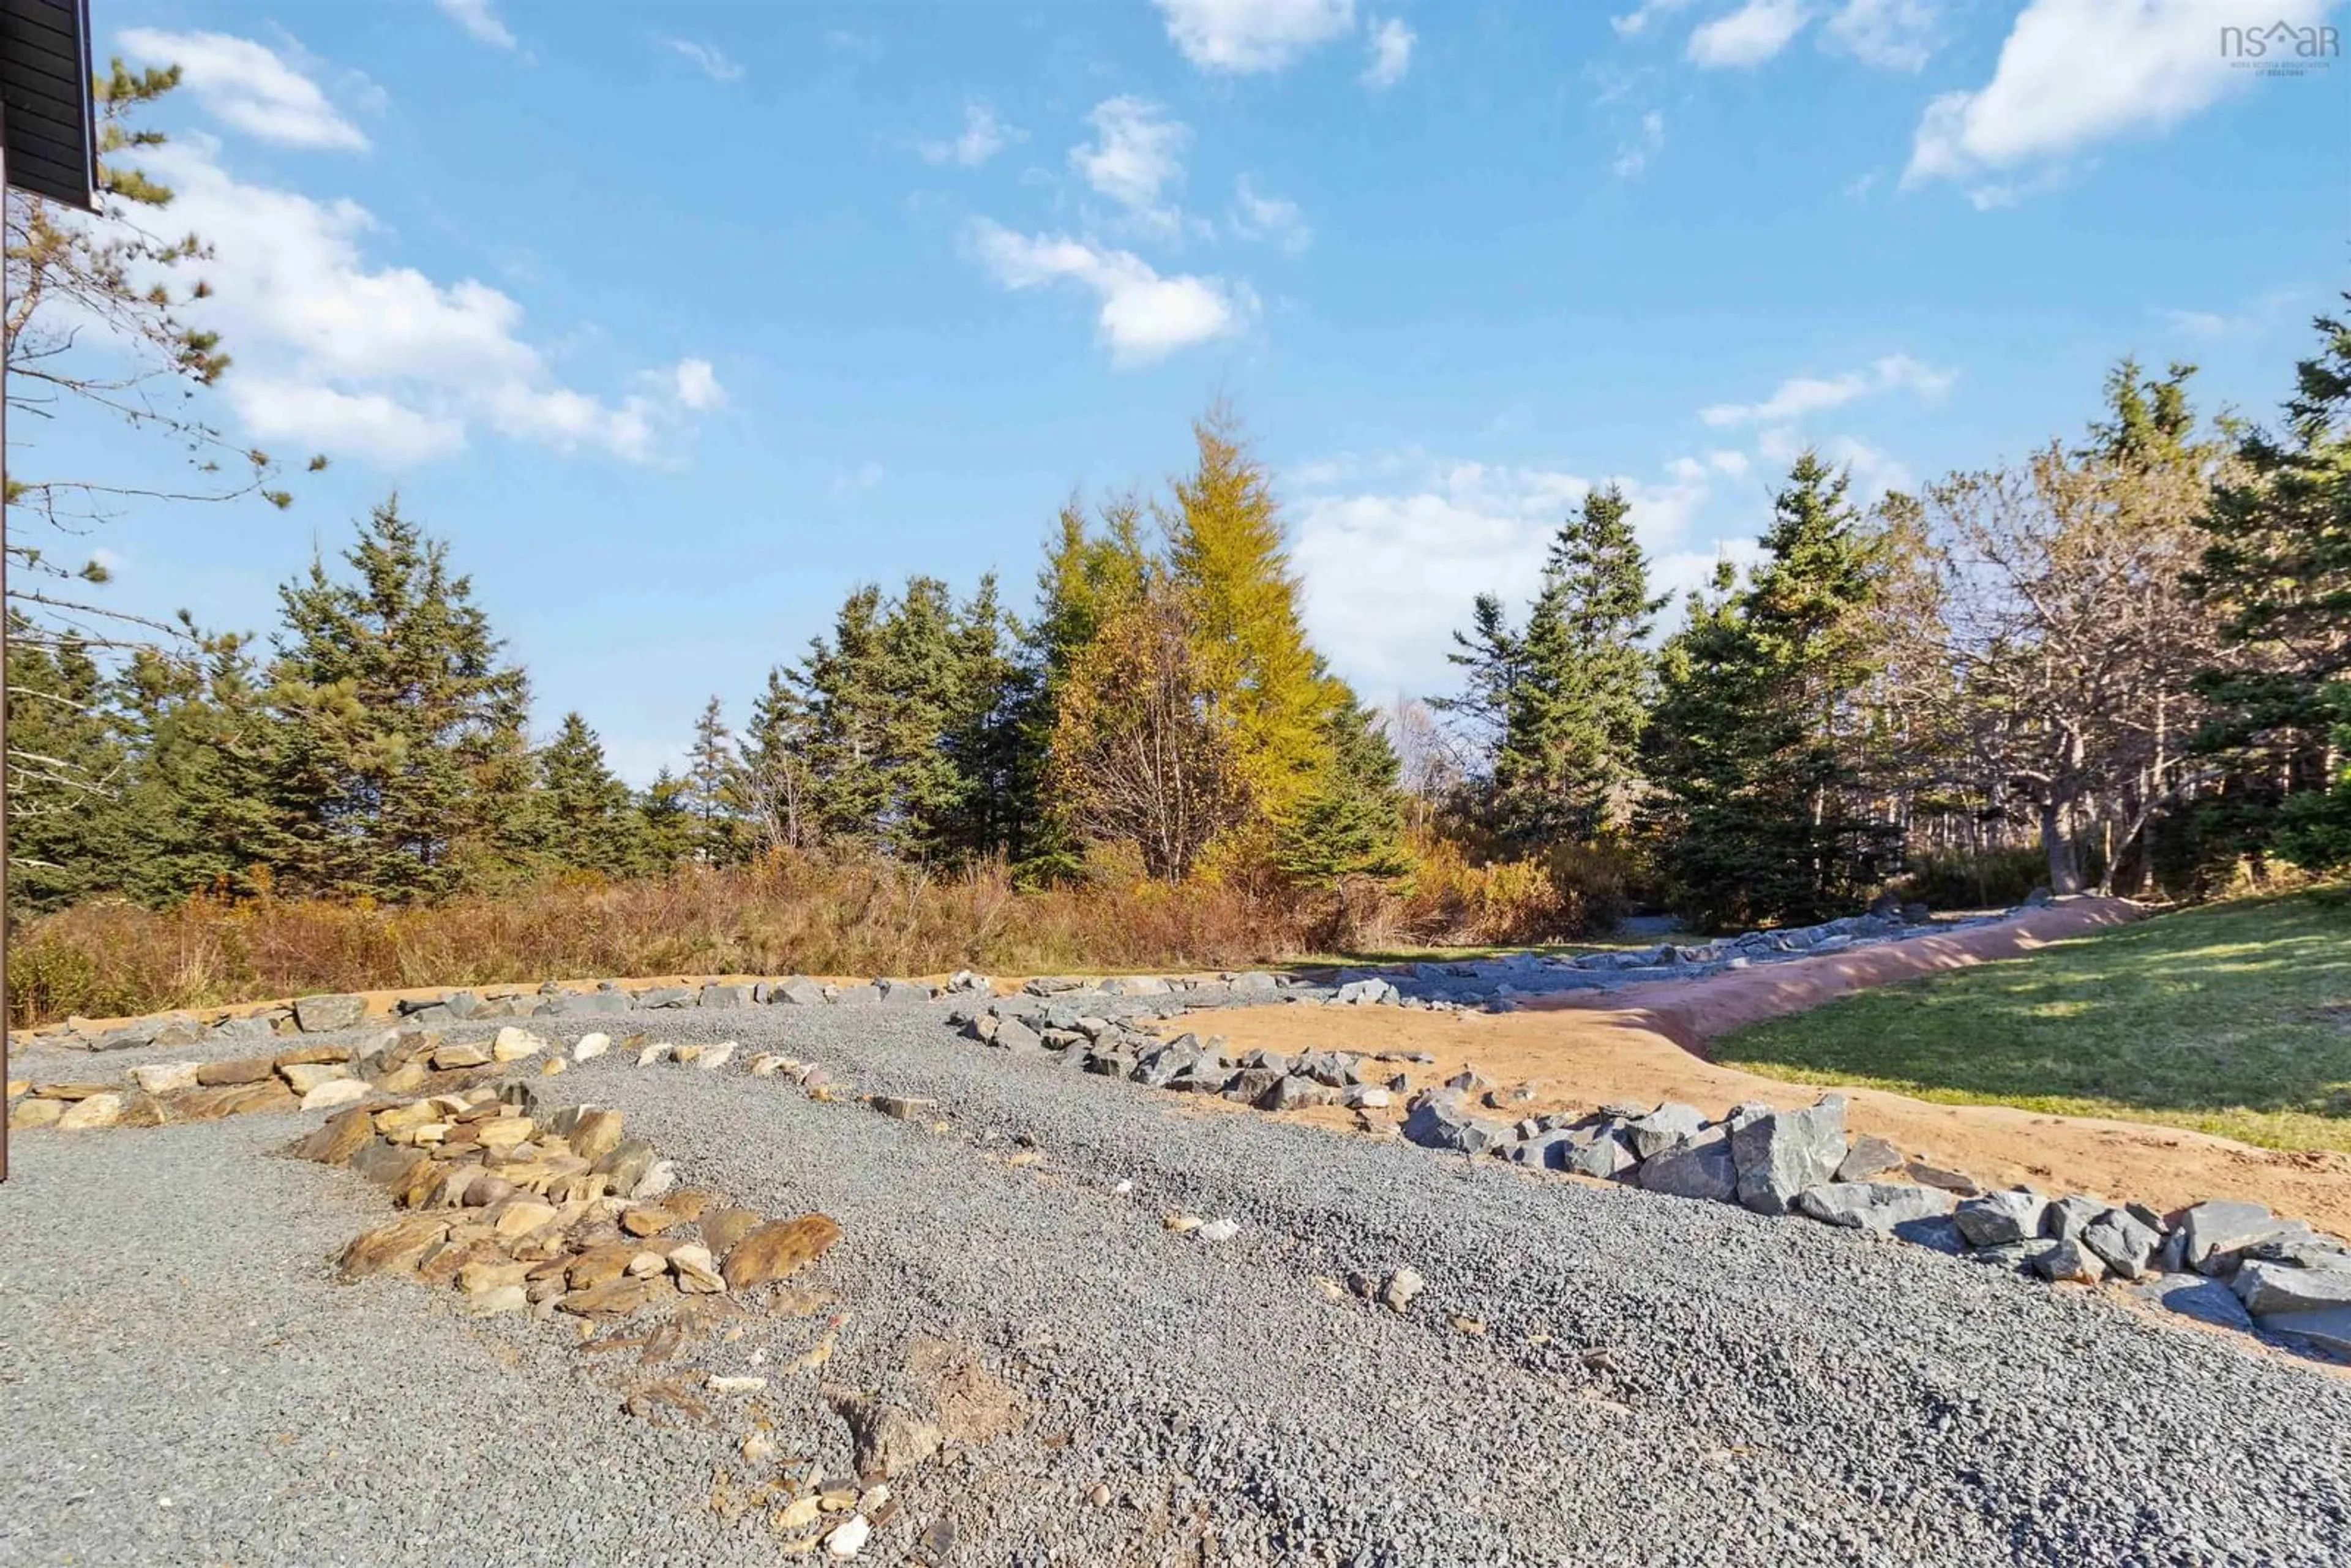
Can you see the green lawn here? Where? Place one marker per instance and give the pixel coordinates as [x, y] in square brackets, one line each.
[2232, 1019]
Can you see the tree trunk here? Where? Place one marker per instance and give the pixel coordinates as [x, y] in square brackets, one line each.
[2065, 870]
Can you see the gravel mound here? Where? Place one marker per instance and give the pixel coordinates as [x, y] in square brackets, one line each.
[1588, 1374]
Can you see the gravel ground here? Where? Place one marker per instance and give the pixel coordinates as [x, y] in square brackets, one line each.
[1657, 1381]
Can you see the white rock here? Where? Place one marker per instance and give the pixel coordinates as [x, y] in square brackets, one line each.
[512, 1044]
[659, 1051]
[660, 1179]
[1220, 1231]
[848, 1538]
[763, 1065]
[591, 1046]
[714, 1056]
[162, 1077]
[737, 1384]
[337, 1092]
[1124, 1188]
[504, 1299]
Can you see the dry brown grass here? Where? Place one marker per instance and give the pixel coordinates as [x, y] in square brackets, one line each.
[785, 915]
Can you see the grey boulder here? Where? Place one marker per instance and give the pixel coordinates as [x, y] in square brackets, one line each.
[1669, 1124]
[316, 1015]
[2220, 1228]
[1874, 1205]
[2123, 1242]
[2269, 1288]
[2001, 1218]
[1779, 1154]
[1700, 1166]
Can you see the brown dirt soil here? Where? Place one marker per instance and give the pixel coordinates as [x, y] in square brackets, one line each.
[1693, 1012]
[1629, 1048]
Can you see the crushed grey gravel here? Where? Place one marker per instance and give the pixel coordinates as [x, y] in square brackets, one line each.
[1656, 1381]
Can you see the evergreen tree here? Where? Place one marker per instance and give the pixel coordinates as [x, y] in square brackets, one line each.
[981, 735]
[2279, 566]
[1755, 753]
[583, 817]
[1352, 822]
[667, 821]
[713, 793]
[1577, 693]
[65, 759]
[193, 813]
[399, 757]
[1493, 658]
[1227, 550]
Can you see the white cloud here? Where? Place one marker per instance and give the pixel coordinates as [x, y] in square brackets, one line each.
[983, 137]
[1894, 35]
[1634, 23]
[1248, 36]
[1633, 154]
[2272, 309]
[1874, 472]
[1800, 395]
[1137, 153]
[696, 385]
[709, 58]
[2073, 72]
[1144, 316]
[250, 87]
[1276, 219]
[479, 21]
[1749, 36]
[1390, 45]
[1727, 461]
[1389, 573]
[367, 358]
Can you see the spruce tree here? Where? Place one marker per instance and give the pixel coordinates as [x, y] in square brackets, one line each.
[193, 811]
[1352, 824]
[1576, 695]
[583, 818]
[713, 795]
[2278, 566]
[65, 761]
[399, 755]
[666, 820]
[1492, 657]
[1755, 750]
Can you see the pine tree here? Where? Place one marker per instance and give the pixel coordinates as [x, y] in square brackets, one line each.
[1494, 658]
[1755, 750]
[1226, 550]
[583, 818]
[398, 756]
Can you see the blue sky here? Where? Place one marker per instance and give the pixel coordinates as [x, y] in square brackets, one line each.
[680, 321]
